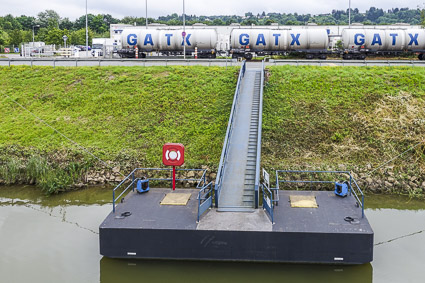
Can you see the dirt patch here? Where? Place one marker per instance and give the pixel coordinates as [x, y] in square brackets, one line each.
[77, 82]
[161, 74]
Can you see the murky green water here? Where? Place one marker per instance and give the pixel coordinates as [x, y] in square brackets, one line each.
[50, 239]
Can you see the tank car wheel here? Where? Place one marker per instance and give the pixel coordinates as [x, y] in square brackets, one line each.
[323, 57]
[248, 56]
[347, 57]
[421, 56]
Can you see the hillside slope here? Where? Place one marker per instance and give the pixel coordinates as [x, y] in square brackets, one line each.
[349, 118]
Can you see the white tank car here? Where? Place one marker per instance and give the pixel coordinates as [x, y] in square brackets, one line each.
[384, 39]
[168, 40]
[268, 40]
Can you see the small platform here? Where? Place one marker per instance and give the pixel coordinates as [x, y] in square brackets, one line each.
[299, 235]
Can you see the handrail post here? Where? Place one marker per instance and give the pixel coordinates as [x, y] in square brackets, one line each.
[113, 201]
[132, 180]
[216, 194]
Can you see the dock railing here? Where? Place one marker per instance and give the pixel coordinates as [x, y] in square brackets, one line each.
[268, 201]
[131, 180]
[205, 196]
[226, 143]
[258, 158]
[329, 177]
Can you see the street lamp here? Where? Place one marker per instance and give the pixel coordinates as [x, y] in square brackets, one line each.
[36, 26]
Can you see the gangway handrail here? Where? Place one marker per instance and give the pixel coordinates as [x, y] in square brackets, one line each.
[268, 201]
[353, 190]
[226, 142]
[205, 198]
[258, 158]
[132, 176]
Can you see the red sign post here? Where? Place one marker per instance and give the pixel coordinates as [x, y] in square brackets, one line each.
[173, 155]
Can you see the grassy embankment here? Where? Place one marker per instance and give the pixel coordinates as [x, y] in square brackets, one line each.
[123, 115]
[347, 118]
[314, 118]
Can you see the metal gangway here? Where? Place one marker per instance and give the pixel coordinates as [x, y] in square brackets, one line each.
[238, 177]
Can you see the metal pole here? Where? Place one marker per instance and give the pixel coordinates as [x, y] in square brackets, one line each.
[184, 31]
[33, 35]
[174, 178]
[87, 35]
[349, 13]
[146, 14]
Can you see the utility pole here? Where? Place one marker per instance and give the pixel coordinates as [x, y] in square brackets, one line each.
[184, 33]
[349, 13]
[87, 35]
[146, 14]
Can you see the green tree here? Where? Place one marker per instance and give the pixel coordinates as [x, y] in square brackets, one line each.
[26, 22]
[79, 37]
[218, 22]
[15, 37]
[48, 19]
[65, 23]
[4, 38]
[55, 36]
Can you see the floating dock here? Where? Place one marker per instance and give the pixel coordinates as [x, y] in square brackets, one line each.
[239, 218]
[299, 235]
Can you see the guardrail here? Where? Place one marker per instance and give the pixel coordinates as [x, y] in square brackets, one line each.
[365, 63]
[260, 121]
[132, 177]
[226, 143]
[353, 190]
[77, 62]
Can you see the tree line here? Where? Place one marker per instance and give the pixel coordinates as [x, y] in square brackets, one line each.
[49, 27]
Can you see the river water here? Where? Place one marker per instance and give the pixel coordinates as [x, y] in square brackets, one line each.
[50, 239]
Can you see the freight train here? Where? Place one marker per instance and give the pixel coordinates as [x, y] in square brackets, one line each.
[360, 43]
[168, 42]
[357, 43]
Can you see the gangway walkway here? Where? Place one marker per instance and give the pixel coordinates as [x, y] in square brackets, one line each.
[238, 184]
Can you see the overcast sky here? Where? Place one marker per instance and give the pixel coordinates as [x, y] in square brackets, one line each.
[121, 8]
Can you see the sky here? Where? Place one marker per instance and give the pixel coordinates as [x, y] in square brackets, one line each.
[118, 9]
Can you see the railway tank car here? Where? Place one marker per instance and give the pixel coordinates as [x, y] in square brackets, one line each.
[168, 42]
[360, 43]
[246, 42]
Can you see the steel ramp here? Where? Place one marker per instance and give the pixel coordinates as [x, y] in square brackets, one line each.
[238, 183]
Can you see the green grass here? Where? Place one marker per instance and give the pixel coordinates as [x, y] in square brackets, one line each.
[50, 177]
[314, 117]
[119, 113]
[323, 117]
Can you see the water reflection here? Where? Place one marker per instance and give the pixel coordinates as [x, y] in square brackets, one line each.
[24, 195]
[115, 270]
